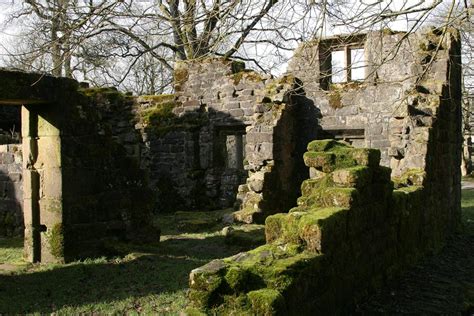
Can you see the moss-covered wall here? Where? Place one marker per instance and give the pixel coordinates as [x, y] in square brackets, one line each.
[354, 228]
[105, 192]
[351, 232]
[80, 186]
[188, 136]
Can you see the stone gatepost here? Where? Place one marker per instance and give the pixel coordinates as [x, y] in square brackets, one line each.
[43, 207]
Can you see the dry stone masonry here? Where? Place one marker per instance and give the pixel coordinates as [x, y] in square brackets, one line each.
[223, 123]
[79, 185]
[343, 215]
[354, 227]
[11, 190]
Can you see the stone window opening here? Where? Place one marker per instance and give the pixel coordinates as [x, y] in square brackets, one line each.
[230, 147]
[341, 63]
[235, 151]
[10, 125]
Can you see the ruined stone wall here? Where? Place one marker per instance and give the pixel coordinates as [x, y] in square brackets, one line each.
[117, 110]
[378, 105]
[11, 190]
[80, 186]
[105, 193]
[354, 227]
[196, 144]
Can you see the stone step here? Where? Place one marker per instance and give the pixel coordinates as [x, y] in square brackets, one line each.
[341, 158]
[317, 230]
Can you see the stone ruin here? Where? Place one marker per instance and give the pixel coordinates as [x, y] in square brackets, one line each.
[354, 179]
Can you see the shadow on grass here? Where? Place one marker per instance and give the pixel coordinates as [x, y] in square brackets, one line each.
[442, 284]
[467, 204]
[147, 270]
[15, 242]
[113, 285]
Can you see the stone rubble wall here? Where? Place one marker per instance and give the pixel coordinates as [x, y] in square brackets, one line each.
[106, 194]
[184, 143]
[81, 186]
[379, 104]
[350, 234]
[271, 146]
[11, 190]
[355, 228]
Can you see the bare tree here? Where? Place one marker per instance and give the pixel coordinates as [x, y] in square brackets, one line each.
[131, 42]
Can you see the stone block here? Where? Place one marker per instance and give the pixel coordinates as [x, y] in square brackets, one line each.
[256, 181]
[342, 158]
[47, 128]
[360, 177]
[267, 302]
[325, 230]
[205, 281]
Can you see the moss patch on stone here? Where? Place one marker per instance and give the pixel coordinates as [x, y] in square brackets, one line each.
[267, 302]
[55, 238]
[325, 145]
[342, 157]
[160, 119]
[246, 74]
[158, 98]
[411, 177]
[110, 93]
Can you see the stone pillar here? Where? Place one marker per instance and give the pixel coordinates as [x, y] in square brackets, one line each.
[43, 209]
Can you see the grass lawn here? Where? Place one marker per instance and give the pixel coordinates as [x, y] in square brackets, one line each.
[467, 202]
[146, 279]
[150, 279]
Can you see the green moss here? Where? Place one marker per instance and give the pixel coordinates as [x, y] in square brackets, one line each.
[160, 114]
[161, 120]
[309, 185]
[325, 145]
[55, 238]
[247, 236]
[273, 226]
[387, 31]
[191, 311]
[359, 176]
[159, 98]
[180, 74]
[284, 271]
[237, 66]
[323, 230]
[267, 302]
[342, 157]
[237, 278]
[411, 177]
[410, 189]
[335, 99]
[246, 74]
[206, 282]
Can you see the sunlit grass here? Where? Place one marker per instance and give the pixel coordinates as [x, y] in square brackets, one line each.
[467, 204]
[11, 250]
[150, 279]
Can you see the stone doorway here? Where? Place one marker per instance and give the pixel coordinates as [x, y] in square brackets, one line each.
[40, 195]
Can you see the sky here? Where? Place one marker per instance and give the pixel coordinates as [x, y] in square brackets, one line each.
[400, 24]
